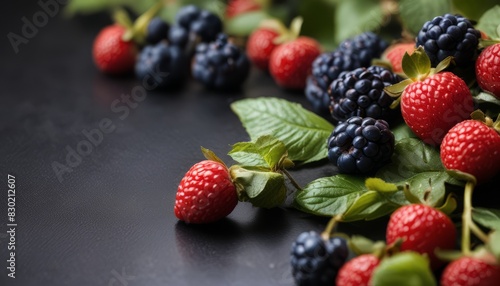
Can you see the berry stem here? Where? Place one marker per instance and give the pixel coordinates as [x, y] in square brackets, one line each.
[468, 224]
[330, 227]
[292, 180]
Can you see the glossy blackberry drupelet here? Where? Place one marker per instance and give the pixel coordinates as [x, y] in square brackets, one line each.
[360, 145]
[156, 30]
[366, 45]
[326, 68]
[220, 64]
[193, 25]
[361, 93]
[449, 35]
[315, 262]
[161, 66]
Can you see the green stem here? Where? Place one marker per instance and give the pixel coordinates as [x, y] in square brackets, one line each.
[467, 217]
[478, 232]
[331, 226]
[292, 180]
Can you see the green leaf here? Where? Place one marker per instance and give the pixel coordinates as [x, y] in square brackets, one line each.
[353, 17]
[330, 196]
[262, 189]
[489, 22]
[473, 10]
[402, 131]
[431, 182]
[362, 245]
[244, 24]
[416, 65]
[266, 152]
[488, 103]
[303, 132]
[405, 268]
[489, 218]
[411, 156]
[318, 21]
[370, 205]
[494, 244]
[415, 13]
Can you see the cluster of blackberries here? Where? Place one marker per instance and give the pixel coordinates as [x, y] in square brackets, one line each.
[352, 53]
[316, 261]
[194, 44]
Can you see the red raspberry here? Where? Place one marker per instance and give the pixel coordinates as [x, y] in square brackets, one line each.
[432, 106]
[394, 54]
[111, 53]
[205, 194]
[472, 147]
[470, 271]
[291, 62]
[357, 271]
[423, 229]
[488, 69]
[260, 46]
[237, 7]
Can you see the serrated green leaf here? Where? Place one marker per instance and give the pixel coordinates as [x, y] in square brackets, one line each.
[434, 182]
[267, 152]
[262, 189]
[489, 218]
[353, 17]
[488, 23]
[330, 196]
[411, 156]
[406, 268]
[245, 23]
[415, 13]
[303, 132]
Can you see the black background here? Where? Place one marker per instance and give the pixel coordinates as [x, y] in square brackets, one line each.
[110, 220]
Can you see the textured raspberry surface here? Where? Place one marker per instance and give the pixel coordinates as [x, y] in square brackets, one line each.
[357, 271]
[488, 69]
[469, 271]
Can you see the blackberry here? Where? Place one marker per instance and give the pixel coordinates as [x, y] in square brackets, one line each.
[360, 145]
[220, 64]
[361, 93]
[366, 45]
[449, 35]
[156, 30]
[326, 68]
[316, 261]
[193, 25]
[161, 65]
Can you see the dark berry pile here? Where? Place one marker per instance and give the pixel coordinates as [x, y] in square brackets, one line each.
[161, 66]
[360, 145]
[193, 25]
[352, 53]
[449, 35]
[361, 93]
[156, 30]
[366, 45]
[315, 261]
[220, 64]
[326, 68]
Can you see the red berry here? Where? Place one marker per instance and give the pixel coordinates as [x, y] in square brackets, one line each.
[472, 147]
[394, 54]
[290, 63]
[488, 69]
[205, 194]
[357, 271]
[260, 46]
[423, 229]
[432, 106]
[237, 7]
[470, 271]
[111, 53]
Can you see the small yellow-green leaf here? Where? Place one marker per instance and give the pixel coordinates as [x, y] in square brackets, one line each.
[379, 185]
